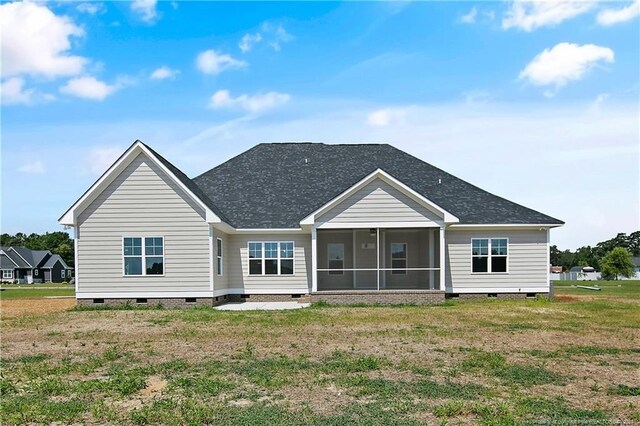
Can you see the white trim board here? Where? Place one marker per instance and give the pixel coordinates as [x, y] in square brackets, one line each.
[504, 225]
[70, 216]
[386, 177]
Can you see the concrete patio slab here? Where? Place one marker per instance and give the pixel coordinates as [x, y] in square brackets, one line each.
[261, 306]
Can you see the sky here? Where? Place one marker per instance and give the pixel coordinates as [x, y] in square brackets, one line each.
[537, 102]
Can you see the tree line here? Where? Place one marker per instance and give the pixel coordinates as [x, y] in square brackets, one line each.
[57, 242]
[593, 256]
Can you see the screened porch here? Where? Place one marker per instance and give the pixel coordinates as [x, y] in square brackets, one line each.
[378, 259]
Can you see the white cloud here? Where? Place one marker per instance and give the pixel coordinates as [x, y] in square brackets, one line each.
[248, 40]
[146, 10]
[12, 92]
[599, 100]
[33, 168]
[100, 159]
[88, 88]
[386, 117]
[470, 17]
[92, 8]
[36, 41]
[163, 73]
[529, 15]
[251, 103]
[563, 63]
[278, 35]
[615, 16]
[212, 62]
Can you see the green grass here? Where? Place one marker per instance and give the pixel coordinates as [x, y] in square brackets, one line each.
[491, 363]
[13, 294]
[620, 287]
[37, 285]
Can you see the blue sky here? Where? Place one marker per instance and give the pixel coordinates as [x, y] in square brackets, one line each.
[533, 101]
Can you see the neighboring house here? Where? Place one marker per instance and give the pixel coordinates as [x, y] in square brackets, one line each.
[25, 266]
[582, 273]
[340, 223]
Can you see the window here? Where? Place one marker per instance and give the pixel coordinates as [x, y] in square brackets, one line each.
[335, 256]
[62, 274]
[271, 258]
[147, 259]
[35, 272]
[489, 255]
[7, 274]
[219, 255]
[398, 258]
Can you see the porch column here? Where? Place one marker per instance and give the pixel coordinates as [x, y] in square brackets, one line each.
[442, 258]
[432, 262]
[314, 260]
[378, 258]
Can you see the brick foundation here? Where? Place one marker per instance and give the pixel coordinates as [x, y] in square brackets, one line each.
[302, 298]
[385, 297]
[166, 302]
[499, 296]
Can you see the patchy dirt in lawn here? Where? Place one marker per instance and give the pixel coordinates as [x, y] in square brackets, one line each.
[24, 307]
[155, 385]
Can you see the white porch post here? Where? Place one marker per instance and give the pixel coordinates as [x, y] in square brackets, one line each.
[212, 255]
[432, 263]
[378, 257]
[442, 258]
[75, 257]
[314, 259]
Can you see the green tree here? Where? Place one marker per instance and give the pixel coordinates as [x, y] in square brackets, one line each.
[617, 263]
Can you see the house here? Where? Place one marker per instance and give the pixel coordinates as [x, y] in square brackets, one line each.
[25, 266]
[283, 221]
[582, 273]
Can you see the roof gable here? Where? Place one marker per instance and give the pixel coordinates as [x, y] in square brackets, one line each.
[380, 175]
[137, 148]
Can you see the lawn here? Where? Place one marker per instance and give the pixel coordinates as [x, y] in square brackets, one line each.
[35, 293]
[571, 361]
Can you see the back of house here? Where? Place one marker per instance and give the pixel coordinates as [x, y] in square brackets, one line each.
[340, 223]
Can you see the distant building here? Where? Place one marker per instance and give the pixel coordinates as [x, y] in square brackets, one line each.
[21, 265]
[555, 269]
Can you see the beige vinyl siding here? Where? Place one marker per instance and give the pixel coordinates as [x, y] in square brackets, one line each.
[527, 263]
[220, 282]
[378, 202]
[238, 266]
[143, 201]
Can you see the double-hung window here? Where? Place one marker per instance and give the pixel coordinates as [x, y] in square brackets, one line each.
[62, 274]
[219, 255]
[489, 255]
[271, 258]
[143, 255]
[7, 274]
[398, 258]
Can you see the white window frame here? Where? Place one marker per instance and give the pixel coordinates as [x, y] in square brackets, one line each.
[4, 274]
[489, 255]
[219, 255]
[144, 256]
[264, 258]
[36, 272]
[405, 258]
[62, 273]
[334, 272]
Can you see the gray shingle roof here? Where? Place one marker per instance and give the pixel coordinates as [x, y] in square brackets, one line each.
[33, 257]
[52, 261]
[6, 263]
[17, 259]
[276, 185]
